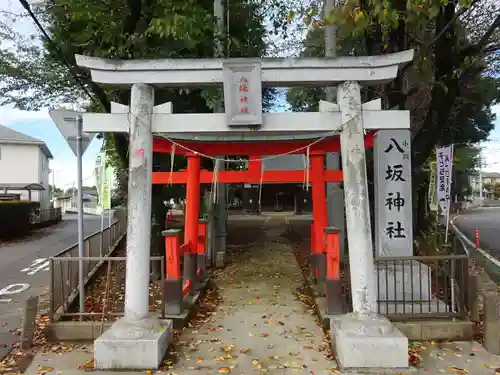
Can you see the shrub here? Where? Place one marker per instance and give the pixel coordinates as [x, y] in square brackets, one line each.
[15, 218]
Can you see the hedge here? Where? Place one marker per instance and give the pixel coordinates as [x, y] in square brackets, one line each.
[15, 218]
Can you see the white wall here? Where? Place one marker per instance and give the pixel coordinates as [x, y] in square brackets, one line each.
[43, 179]
[25, 164]
[283, 163]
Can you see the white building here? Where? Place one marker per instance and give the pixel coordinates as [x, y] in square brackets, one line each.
[24, 167]
[489, 180]
[69, 202]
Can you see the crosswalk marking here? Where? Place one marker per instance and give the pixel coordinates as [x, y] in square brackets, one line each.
[40, 264]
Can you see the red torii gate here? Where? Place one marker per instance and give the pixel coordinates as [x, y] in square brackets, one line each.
[194, 176]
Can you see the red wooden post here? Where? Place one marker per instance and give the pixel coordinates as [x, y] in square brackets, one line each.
[332, 253]
[202, 247]
[172, 289]
[333, 284]
[319, 212]
[191, 220]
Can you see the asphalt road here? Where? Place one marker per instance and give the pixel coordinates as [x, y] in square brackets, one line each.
[25, 262]
[487, 221]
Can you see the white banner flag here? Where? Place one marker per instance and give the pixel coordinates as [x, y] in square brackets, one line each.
[444, 158]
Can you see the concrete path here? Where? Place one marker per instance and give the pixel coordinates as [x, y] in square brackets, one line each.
[261, 325]
[25, 262]
[462, 358]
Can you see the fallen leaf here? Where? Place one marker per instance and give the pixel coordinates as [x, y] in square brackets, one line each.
[87, 366]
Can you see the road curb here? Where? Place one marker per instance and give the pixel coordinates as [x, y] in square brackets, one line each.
[484, 253]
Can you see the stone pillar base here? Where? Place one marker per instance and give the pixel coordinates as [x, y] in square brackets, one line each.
[172, 297]
[220, 259]
[368, 344]
[133, 345]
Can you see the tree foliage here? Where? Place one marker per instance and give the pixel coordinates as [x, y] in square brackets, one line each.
[39, 73]
[449, 87]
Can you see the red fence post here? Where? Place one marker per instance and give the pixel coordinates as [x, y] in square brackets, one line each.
[172, 288]
[333, 284]
[317, 175]
[191, 218]
[201, 249]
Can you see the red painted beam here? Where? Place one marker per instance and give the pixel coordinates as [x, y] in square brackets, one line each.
[231, 177]
[331, 144]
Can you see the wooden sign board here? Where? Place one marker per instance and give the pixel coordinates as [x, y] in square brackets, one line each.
[243, 92]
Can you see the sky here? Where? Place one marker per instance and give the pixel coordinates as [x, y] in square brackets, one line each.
[491, 152]
[39, 125]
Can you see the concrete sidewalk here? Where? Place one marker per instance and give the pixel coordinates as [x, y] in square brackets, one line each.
[262, 326]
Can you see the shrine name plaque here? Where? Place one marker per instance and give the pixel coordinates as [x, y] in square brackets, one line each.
[243, 92]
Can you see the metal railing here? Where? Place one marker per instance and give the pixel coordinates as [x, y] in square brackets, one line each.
[64, 266]
[107, 294]
[422, 286]
[46, 215]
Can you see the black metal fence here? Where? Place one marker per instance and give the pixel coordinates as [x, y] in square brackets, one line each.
[422, 286]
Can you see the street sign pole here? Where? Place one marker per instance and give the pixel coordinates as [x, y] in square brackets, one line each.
[78, 141]
[79, 155]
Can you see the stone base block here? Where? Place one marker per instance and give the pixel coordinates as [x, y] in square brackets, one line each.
[412, 307]
[403, 281]
[368, 343]
[133, 346]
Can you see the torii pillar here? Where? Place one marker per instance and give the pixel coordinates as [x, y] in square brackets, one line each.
[362, 339]
[137, 341]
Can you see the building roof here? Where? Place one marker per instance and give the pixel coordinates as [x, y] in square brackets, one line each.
[487, 174]
[21, 186]
[88, 196]
[491, 175]
[7, 135]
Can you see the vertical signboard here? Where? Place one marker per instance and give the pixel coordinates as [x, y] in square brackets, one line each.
[103, 177]
[106, 188]
[98, 174]
[433, 206]
[393, 196]
[444, 159]
[243, 92]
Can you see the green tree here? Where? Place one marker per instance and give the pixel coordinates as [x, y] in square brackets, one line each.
[496, 191]
[36, 75]
[449, 87]
[54, 191]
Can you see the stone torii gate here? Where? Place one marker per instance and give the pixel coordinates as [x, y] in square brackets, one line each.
[139, 341]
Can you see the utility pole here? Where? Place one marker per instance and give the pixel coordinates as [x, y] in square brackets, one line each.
[79, 156]
[334, 193]
[220, 220]
[481, 181]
